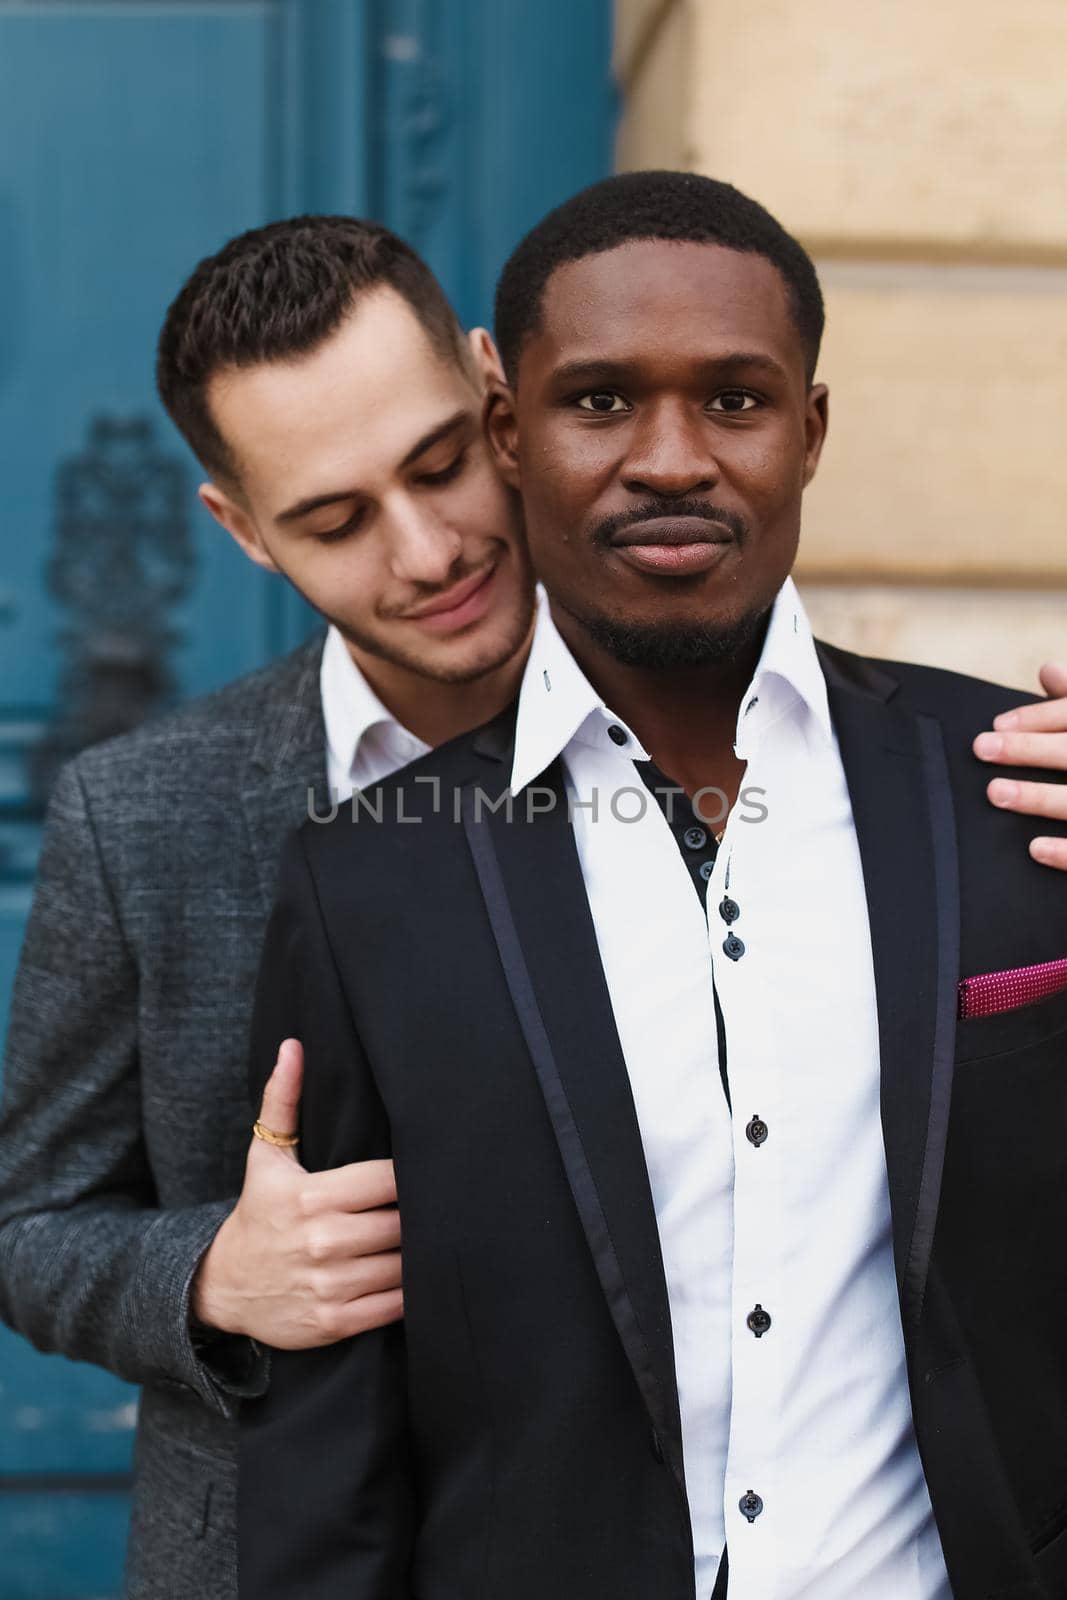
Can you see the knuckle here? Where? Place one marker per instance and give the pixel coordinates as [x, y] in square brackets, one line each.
[1050, 799]
[318, 1246]
[321, 1286]
[330, 1322]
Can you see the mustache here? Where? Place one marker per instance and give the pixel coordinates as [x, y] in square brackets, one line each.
[605, 531]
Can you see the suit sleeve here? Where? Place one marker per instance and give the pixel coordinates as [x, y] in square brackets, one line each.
[324, 1483]
[90, 1265]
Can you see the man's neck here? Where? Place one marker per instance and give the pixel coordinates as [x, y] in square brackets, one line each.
[685, 717]
[434, 711]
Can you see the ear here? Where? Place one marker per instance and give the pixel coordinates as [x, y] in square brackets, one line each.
[486, 356]
[238, 524]
[501, 430]
[816, 422]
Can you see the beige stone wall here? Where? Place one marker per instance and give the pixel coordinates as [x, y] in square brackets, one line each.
[920, 152]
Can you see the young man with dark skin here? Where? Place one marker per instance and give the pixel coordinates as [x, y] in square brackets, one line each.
[695, 1254]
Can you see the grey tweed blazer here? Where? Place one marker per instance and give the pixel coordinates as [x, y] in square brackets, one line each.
[125, 1120]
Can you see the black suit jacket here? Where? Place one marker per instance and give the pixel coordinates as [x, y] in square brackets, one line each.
[518, 1437]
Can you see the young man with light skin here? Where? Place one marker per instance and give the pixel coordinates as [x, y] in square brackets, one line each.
[401, 534]
[320, 375]
[346, 452]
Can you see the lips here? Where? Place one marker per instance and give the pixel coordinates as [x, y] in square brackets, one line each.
[451, 599]
[673, 547]
[673, 531]
[458, 607]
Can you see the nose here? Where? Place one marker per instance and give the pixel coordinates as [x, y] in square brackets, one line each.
[423, 548]
[670, 453]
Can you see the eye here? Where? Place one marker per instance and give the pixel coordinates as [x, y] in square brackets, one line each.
[602, 401]
[335, 535]
[445, 474]
[732, 401]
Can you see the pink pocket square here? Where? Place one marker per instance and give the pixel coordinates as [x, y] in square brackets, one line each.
[1004, 991]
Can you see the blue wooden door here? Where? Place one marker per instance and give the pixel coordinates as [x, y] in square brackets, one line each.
[135, 137]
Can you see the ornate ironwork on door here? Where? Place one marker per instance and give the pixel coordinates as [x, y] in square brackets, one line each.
[121, 560]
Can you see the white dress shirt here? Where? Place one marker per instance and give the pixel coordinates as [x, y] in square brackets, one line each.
[813, 1417]
[364, 741]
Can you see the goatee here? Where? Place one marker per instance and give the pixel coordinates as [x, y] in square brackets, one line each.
[661, 646]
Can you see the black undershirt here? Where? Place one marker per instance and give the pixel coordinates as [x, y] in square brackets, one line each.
[696, 842]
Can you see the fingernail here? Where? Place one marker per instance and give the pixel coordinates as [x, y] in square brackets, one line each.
[1041, 850]
[1003, 792]
[1006, 719]
[988, 745]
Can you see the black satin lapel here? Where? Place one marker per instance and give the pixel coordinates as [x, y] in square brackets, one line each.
[905, 823]
[942, 813]
[532, 884]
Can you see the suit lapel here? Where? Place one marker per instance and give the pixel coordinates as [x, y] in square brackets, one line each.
[286, 774]
[533, 888]
[905, 824]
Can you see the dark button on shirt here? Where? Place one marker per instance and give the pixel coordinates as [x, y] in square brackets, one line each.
[616, 734]
[758, 1320]
[757, 1131]
[750, 1505]
[684, 824]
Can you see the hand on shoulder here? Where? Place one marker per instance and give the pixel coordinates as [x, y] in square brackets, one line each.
[1033, 736]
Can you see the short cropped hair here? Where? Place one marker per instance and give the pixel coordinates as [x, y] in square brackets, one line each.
[275, 293]
[682, 206]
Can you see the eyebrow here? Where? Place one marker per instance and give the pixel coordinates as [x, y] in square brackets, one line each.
[605, 370]
[332, 497]
[435, 435]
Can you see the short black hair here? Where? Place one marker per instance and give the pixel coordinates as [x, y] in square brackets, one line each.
[277, 292]
[683, 206]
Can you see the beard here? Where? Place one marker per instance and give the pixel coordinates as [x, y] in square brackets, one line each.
[487, 659]
[668, 645]
[664, 646]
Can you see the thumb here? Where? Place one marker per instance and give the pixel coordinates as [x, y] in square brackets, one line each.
[280, 1108]
[1054, 678]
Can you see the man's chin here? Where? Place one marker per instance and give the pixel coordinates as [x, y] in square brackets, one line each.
[663, 644]
[465, 658]
[462, 666]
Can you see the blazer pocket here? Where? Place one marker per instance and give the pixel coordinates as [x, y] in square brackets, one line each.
[1011, 989]
[183, 1524]
[1005, 1032]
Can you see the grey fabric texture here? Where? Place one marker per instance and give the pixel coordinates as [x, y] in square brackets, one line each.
[124, 1119]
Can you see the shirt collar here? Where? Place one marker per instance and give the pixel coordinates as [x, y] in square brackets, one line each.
[350, 707]
[558, 704]
[788, 676]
